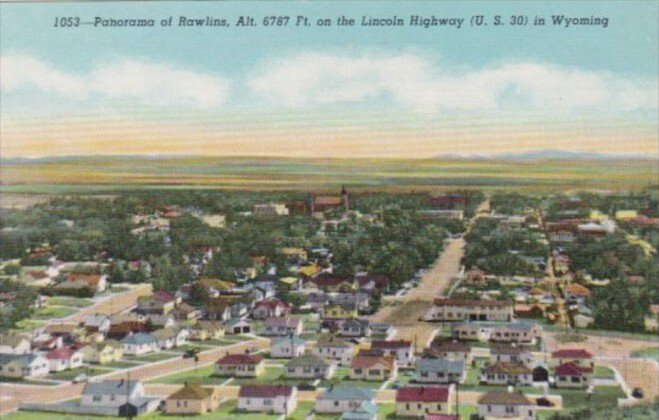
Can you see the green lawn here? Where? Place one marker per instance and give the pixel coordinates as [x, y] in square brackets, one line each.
[70, 374]
[28, 325]
[604, 372]
[120, 364]
[218, 342]
[25, 381]
[651, 353]
[203, 375]
[342, 376]
[69, 301]
[604, 397]
[53, 311]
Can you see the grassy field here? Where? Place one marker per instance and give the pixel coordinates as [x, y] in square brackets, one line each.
[53, 311]
[108, 174]
[70, 374]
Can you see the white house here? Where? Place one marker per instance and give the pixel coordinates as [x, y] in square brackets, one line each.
[287, 347]
[64, 358]
[342, 399]
[267, 399]
[140, 343]
[335, 349]
[309, 366]
[110, 395]
[100, 323]
[23, 365]
[401, 350]
[445, 309]
[14, 344]
[506, 404]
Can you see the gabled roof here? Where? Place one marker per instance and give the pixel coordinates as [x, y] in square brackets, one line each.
[332, 341]
[264, 391]
[347, 394]
[12, 340]
[308, 360]
[572, 369]
[444, 345]
[192, 392]
[272, 304]
[440, 365]
[62, 353]
[139, 338]
[507, 368]
[365, 362]
[24, 359]
[240, 359]
[572, 354]
[504, 398]
[208, 325]
[60, 329]
[287, 322]
[110, 387]
[394, 344]
[504, 348]
[426, 394]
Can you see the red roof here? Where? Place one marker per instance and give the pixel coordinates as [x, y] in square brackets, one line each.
[365, 362]
[273, 304]
[240, 359]
[62, 353]
[380, 280]
[459, 302]
[427, 394]
[396, 344]
[572, 354]
[327, 279]
[265, 391]
[572, 369]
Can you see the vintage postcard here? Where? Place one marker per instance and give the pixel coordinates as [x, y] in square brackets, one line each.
[329, 210]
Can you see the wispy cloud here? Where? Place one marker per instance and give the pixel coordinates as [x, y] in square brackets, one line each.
[413, 81]
[158, 84]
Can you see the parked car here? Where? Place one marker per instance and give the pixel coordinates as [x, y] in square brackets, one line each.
[637, 393]
[544, 402]
[80, 378]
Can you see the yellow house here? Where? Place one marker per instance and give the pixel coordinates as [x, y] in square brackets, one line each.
[291, 252]
[193, 399]
[341, 311]
[597, 215]
[309, 270]
[206, 330]
[102, 353]
[626, 214]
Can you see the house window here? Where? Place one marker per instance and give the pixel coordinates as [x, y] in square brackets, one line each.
[439, 407]
[96, 398]
[336, 403]
[267, 402]
[510, 409]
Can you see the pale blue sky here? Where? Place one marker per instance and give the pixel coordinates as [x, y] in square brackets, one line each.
[225, 77]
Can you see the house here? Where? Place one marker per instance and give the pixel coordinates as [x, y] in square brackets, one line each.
[283, 326]
[23, 365]
[334, 348]
[270, 210]
[161, 321]
[329, 282]
[580, 357]
[185, 312]
[503, 352]
[64, 358]
[373, 368]
[446, 309]
[299, 254]
[238, 326]
[309, 366]
[68, 332]
[267, 399]
[193, 399]
[242, 365]
[382, 329]
[354, 327]
[171, 337]
[123, 330]
[102, 353]
[401, 350]
[449, 349]
[342, 399]
[372, 282]
[264, 290]
[341, 311]
[217, 309]
[97, 323]
[360, 299]
[516, 332]
[14, 344]
[271, 308]
[506, 404]
[573, 375]
[441, 371]
[206, 330]
[506, 373]
[419, 401]
[651, 320]
[366, 411]
[95, 282]
[140, 343]
[287, 347]
[112, 397]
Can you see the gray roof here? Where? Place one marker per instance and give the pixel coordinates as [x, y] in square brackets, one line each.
[110, 387]
[95, 320]
[12, 340]
[366, 411]
[25, 359]
[308, 360]
[440, 365]
[347, 394]
[296, 340]
[139, 338]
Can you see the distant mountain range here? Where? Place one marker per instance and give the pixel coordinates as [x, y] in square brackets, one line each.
[551, 154]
